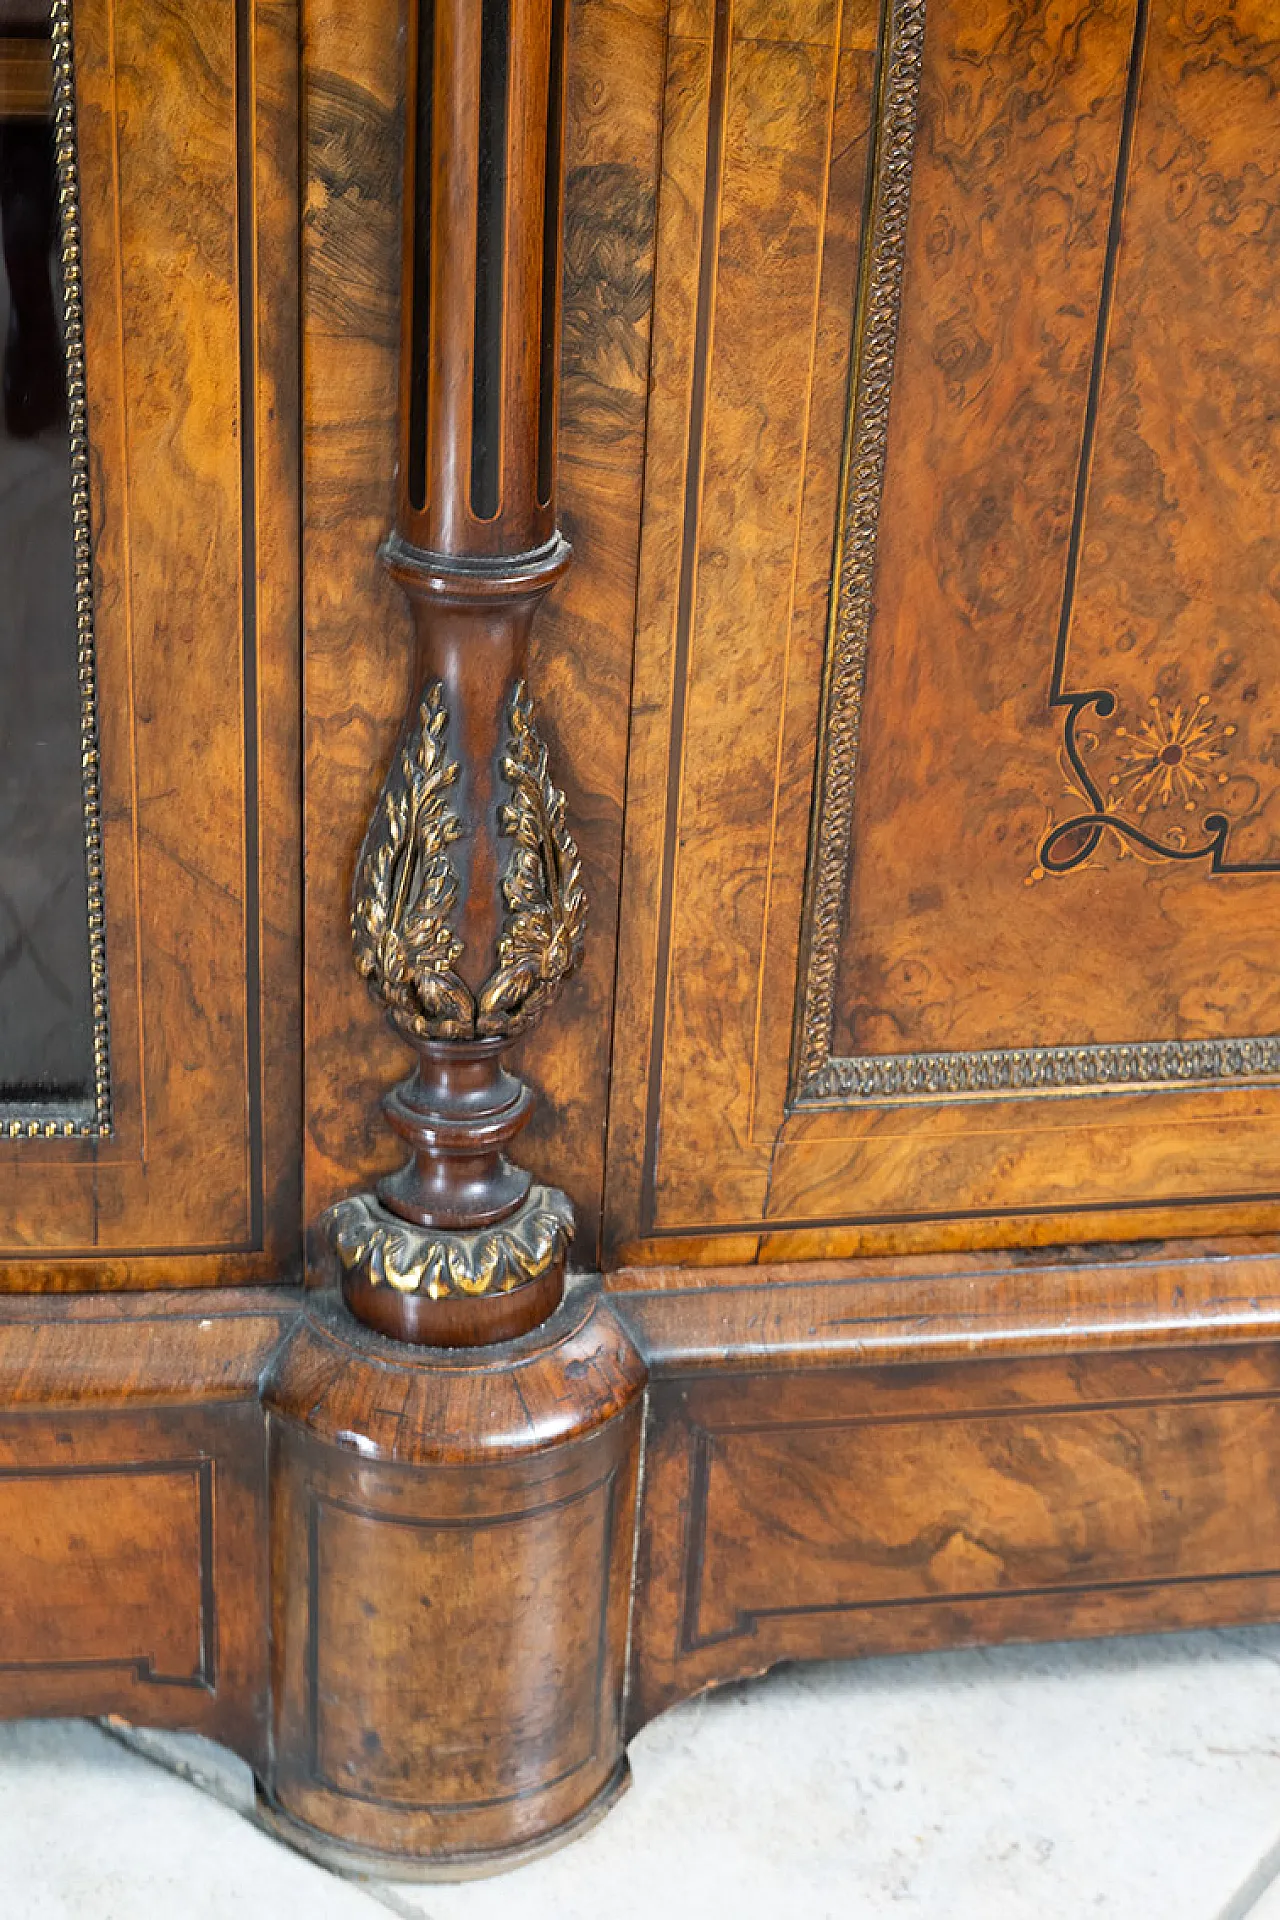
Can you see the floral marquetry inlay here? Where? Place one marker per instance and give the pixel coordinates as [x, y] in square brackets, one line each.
[1172, 758]
[1163, 788]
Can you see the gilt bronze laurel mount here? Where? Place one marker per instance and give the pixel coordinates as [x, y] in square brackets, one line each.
[407, 887]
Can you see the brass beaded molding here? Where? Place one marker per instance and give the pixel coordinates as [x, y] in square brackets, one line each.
[28, 1124]
[861, 490]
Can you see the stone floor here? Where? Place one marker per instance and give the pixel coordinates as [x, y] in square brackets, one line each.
[1137, 1779]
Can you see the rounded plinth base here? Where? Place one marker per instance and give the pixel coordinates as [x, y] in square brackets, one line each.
[363, 1864]
[451, 1541]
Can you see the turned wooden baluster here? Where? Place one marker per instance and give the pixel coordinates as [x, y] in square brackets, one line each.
[468, 909]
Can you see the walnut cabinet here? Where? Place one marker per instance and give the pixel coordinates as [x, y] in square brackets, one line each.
[672, 610]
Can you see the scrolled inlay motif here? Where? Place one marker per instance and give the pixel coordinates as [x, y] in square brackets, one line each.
[388, 1252]
[1167, 766]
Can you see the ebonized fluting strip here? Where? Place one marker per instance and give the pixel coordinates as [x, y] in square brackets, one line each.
[420, 352]
[552, 213]
[491, 201]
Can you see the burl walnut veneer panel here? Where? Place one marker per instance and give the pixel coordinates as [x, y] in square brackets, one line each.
[452, 1541]
[187, 134]
[769, 110]
[507, 1679]
[1092, 636]
[1025, 992]
[111, 1556]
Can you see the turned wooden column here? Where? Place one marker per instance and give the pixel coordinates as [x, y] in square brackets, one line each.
[468, 909]
[453, 1509]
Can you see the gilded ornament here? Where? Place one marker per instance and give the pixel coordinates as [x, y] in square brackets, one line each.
[389, 1252]
[862, 490]
[406, 888]
[30, 1122]
[546, 907]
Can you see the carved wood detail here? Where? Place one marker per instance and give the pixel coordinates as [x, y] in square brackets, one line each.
[457, 1584]
[838, 1460]
[468, 909]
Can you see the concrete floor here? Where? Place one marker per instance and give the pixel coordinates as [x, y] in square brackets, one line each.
[1136, 1779]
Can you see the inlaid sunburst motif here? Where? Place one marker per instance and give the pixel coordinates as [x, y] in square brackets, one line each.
[1172, 763]
[1173, 758]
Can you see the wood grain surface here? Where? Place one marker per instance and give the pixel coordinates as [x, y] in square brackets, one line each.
[878, 1510]
[946, 1307]
[452, 1540]
[1070, 162]
[1075, 521]
[187, 126]
[840, 1459]
[957, 937]
[765, 146]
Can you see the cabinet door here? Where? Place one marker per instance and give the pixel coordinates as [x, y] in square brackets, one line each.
[951, 897]
[149, 1114]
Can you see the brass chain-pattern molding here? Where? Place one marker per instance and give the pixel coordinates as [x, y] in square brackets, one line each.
[406, 888]
[546, 920]
[862, 488]
[375, 1245]
[900, 1076]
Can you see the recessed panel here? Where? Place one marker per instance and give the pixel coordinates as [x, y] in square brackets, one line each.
[951, 896]
[1051, 766]
[108, 1567]
[165, 706]
[503, 1670]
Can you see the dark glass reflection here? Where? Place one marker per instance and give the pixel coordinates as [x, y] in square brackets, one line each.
[46, 1051]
